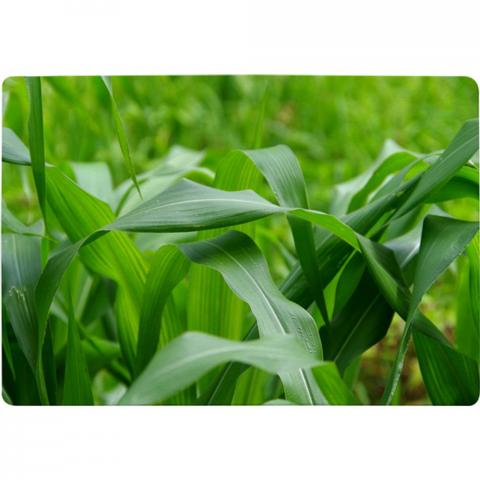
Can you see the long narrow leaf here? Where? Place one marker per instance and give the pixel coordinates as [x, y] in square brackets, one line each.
[450, 377]
[77, 385]
[282, 171]
[13, 149]
[187, 358]
[443, 239]
[167, 269]
[36, 139]
[236, 257]
[460, 150]
[121, 135]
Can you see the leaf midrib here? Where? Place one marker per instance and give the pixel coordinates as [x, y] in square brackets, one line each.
[301, 372]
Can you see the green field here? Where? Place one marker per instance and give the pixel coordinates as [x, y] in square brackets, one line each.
[102, 325]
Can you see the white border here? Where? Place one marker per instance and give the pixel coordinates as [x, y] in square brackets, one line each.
[51, 37]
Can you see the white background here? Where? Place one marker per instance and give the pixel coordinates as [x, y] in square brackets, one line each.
[179, 37]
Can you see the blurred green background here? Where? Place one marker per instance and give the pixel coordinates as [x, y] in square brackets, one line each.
[335, 125]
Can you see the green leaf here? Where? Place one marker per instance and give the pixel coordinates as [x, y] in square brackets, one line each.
[94, 178]
[364, 315]
[115, 257]
[36, 139]
[460, 150]
[361, 323]
[332, 252]
[282, 171]
[167, 269]
[179, 162]
[77, 383]
[464, 184]
[468, 315]
[211, 306]
[21, 268]
[278, 402]
[343, 193]
[450, 377]
[443, 240]
[190, 206]
[121, 135]
[14, 225]
[391, 164]
[187, 358]
[362, 217]
[6, 348]
[242, 266]
[332, 385]
[13, 149]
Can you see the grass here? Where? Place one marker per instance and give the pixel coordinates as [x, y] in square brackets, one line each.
[185, 264]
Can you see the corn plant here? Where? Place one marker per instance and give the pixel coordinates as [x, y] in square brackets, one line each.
[159, 290]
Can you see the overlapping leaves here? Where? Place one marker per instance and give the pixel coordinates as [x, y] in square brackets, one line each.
[365, 257]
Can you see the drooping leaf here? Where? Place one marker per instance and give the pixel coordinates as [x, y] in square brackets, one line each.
[465, 184]
[115, 257]
[12, 224]
[450, 377]
[13, 149]
[460, 150]
[282, 171]
[187, 358]
[239, 261]
[344, 192]
[443, 239]
[391, 164]
[212, 307]
[190, 206]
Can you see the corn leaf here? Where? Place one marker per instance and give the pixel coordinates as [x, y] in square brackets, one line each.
[121, 135]
[187, 358]
[190, 206]
[468, 315]
[115, 257]
[362, 322]
[391, 164]
[94, 178]
[13, 149]
[282, 171]
[77, 383]
[460, 150]
[332, 385]
[239, 261]
[36, 139]
[12, 224]
[167, 269]
[211, 306]
[450, 377]
[443, 239]
[21, 268]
